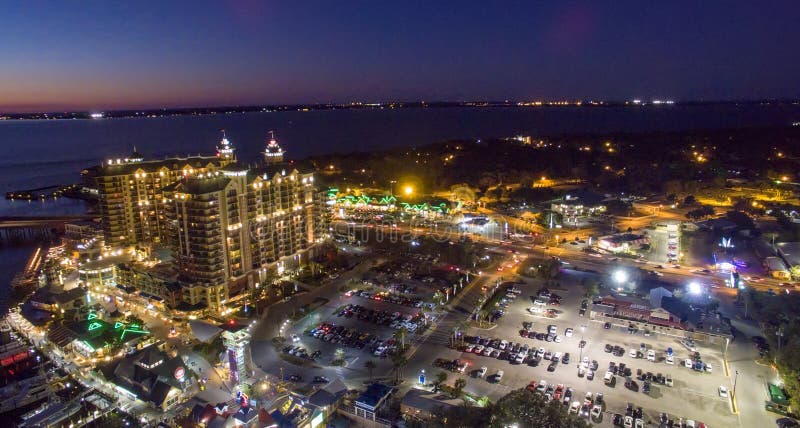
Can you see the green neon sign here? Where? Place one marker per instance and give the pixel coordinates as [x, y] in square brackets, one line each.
[91, 316]
[95, 326]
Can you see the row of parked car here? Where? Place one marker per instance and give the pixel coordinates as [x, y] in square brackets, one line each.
[590, 407]
[353, 338]
[551, 335]
[519, 353]
[394, 320]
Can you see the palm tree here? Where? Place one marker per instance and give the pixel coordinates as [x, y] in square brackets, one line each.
[459, 387]
[399, 361]
[370, 365]
[400, 334]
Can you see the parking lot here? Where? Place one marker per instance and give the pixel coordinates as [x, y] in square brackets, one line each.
[693, 394]
[359, 325]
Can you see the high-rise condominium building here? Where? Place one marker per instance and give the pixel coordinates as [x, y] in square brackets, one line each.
[228, 225]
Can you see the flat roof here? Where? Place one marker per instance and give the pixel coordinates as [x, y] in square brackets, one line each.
[790, 252]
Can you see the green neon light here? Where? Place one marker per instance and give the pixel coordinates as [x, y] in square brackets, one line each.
[91, 316]
[392, 200]
[117, 325]
[95, 326]
[132, 331]
[90, 346]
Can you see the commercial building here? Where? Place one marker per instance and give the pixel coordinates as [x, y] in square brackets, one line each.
[151, 376]
[622, 243]
[789, 252]
[578, 205]
[777, 268]
[424, 405]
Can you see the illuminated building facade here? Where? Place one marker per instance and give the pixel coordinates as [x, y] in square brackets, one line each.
[131, 188]
[236, 339]
[228, 228]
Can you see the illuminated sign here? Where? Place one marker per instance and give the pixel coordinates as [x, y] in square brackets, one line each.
[180, 372]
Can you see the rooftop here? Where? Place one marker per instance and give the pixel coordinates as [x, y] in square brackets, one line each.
[790, 252]
[428, 401]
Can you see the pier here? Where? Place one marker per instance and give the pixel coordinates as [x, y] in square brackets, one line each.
[26, 229]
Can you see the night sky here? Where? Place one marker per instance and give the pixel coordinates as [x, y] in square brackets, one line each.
[63, 55]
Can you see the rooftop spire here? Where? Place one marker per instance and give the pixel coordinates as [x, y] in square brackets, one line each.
[274, 153]
[225, 149]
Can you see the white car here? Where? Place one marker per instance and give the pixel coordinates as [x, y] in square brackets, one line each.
[628, 422]
[478, 349]
[638, 424]
[521, 357]
[574, 407]
[723, 392]
[596, 411]
[669, 360]
[552, 329]
[568, 332]
[708, 368]
[651, 355]
[688, 363]
[632, 353]
[499, 375]
[557, 339]
[503, 344]
[482, 371]
[487, 351]
[469, 349]
[295, 338]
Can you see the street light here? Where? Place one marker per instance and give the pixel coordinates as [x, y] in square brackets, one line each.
[620, 276]
[408, 190]
[695, 288]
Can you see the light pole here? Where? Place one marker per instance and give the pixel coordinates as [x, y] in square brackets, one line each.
[580, 359]
[735, 378]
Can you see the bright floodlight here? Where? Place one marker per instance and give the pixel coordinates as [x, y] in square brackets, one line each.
[694, 287]
[619, 276]
[408, 190]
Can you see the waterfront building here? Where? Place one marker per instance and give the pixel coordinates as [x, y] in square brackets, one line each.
[229, 226]
[130, 189]
[150, 375]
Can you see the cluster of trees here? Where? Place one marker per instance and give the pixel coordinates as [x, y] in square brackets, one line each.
[700, 213]
[518, 408]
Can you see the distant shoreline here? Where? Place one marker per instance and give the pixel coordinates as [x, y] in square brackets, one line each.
[221, 110]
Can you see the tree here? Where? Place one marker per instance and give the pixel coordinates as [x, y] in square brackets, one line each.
[689, 200]
[527, 409]
[400, 334]
[399, 361]
[795, 270]
[463, 416]
[590, 288]
[458, 387]
[441, 378]
[370, 366]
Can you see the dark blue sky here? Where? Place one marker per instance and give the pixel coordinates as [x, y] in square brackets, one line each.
[104, 55]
